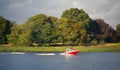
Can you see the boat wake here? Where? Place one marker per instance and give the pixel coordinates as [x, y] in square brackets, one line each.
[62, 54]
[17, 53]
[45, 54]
[52, 54]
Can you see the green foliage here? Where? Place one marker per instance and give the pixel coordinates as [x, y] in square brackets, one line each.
[75, 14]
[114, 47]
[62, 30]
[43, 29]
[70, 32]
[75, 27]
[5, 30]
[118, 29]
[78, 15]
[118, 32]
[81, 19]
[21, 34]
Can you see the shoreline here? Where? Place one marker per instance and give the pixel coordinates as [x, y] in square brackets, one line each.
[96, 48]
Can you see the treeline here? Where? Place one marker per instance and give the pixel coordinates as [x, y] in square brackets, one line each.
[75, 27]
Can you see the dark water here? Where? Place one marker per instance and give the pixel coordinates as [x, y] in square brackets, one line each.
[54, 61]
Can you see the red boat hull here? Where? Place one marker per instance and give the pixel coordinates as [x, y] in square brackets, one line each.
[74, 52]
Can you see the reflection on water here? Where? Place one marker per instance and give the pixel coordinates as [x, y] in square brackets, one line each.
[56, 61]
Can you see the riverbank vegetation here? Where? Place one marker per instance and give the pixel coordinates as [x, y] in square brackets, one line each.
[114, 47]
[74, 28]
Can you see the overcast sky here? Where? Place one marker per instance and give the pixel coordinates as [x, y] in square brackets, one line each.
[21, 10]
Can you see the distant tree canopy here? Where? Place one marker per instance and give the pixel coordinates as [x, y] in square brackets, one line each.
[118, 29]
[108, 34]
[38, 30]
[20, 34]
[77, 15]
[73, 28]
[5, 30]
[118, 32]
[70, 33]
[43, 31]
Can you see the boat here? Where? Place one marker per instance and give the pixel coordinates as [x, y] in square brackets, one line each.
[71, 52]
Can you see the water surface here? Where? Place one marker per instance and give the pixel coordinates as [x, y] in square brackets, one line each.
[55, 61]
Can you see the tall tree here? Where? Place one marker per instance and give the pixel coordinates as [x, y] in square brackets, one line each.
[118, 31]
[62, 30]
[78, 15]
[5, 30]
[70, 32]
[108, 34]
[43, 29]
[21, 34]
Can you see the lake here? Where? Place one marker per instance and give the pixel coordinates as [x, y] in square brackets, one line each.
[56, 61]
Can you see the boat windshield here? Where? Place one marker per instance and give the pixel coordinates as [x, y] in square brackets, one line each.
[68, 49]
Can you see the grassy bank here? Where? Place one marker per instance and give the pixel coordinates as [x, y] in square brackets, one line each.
[90, 48]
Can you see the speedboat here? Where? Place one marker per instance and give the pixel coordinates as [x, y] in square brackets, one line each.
[71, 52]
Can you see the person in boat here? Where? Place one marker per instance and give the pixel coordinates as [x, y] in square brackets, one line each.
[68, 49]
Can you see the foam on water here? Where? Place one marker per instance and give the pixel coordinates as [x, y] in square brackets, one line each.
[45, 54]
[17, 53]
[62, 54]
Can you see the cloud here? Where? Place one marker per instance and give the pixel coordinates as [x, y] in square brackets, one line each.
[21, 10]
[75, 4]
[104, 9]
[18, 5]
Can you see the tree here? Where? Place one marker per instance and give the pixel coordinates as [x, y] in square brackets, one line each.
[62, 30]
[73, 28]
[118, 31]
[107, 33]
[76, 32]
[21, 34]
[78, 15]
[80, 18]
[39, 30]
[43, 29]
[5, 30]
[70, 32]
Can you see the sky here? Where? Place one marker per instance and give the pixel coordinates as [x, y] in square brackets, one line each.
[21, 10]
